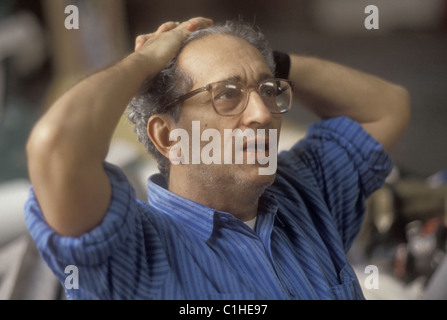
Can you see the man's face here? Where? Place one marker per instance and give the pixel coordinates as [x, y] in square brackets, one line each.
[217, 58]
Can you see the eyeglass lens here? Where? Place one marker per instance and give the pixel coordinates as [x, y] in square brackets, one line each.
[231, 98]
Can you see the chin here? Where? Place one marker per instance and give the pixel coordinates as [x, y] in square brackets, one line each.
[252, 179]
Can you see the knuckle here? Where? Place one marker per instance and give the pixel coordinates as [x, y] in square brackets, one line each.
[140, 38]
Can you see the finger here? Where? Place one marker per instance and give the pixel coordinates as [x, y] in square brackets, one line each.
[167, 26]
[198, 23]
[195, 24]
[140, 40]
[190, 25]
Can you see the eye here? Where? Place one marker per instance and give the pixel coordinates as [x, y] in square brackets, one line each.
[268, 89]
[228, 92]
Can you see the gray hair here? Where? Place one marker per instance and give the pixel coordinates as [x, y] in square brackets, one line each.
[171, 83]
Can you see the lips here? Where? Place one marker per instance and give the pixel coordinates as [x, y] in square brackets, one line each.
[256, 145]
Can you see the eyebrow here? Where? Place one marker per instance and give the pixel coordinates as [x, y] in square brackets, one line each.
[261, 77]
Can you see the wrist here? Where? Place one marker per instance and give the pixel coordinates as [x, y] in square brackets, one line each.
[140, 65]
[282, 61]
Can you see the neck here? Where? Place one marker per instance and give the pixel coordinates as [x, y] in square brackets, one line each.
[236, 198]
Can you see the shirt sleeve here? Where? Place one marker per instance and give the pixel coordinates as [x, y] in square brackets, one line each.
[347, 165]
[94, 247]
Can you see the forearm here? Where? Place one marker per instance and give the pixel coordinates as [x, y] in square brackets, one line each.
[329, 90]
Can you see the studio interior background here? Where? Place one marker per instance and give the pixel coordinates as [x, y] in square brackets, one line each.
[404, 233]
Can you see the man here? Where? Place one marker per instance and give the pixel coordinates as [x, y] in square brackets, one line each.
[211, 229]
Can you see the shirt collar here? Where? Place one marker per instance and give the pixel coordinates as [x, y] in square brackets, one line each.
[195, 216]
[202, 220]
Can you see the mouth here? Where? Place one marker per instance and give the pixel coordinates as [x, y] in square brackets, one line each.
[256, 146]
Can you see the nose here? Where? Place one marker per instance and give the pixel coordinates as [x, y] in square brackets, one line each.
[256, 113]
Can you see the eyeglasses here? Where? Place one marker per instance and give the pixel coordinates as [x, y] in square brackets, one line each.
[231, 97]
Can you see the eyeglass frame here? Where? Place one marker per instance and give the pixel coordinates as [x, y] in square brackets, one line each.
[209, 87]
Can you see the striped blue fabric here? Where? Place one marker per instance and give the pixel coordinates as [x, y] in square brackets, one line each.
[173, 248]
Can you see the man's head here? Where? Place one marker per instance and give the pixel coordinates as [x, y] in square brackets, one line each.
[232, 52]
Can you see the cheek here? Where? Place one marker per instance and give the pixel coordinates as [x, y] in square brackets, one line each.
[199, 112]
[276, 123]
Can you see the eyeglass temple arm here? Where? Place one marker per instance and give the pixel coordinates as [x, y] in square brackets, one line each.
[188, 95]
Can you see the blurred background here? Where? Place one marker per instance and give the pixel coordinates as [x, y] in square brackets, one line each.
[404, 234]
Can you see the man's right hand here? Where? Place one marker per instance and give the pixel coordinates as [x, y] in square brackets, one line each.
[162, 45]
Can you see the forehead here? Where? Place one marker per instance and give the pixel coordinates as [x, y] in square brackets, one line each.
[220, 57]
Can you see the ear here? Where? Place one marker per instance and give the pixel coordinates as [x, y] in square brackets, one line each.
[158, 128]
